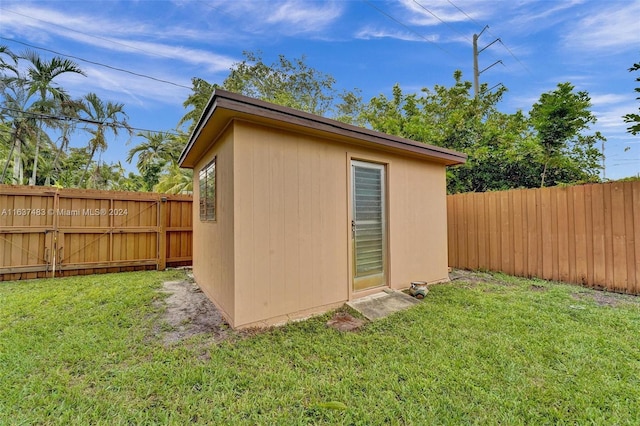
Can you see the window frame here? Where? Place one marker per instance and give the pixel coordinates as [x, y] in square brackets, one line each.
[207, 195]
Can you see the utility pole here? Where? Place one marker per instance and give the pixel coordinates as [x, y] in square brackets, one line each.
[476, 52]
[476, 74]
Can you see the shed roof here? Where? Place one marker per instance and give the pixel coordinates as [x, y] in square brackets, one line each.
[224, 107]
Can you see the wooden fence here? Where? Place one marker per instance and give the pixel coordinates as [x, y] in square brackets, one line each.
[587, 234]
[47, 232]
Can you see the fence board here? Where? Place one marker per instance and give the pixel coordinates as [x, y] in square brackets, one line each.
[635, 196]
[586, 234]
[77, 232]
[519, 239]
[562, 259]
[580, 246]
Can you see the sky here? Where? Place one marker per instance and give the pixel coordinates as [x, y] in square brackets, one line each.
[145, 53]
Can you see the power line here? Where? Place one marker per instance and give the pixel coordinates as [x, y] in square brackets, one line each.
[406, 26]
[96, 63]
[83, 120]
[444, 22]
[493, 35]
[465, 13]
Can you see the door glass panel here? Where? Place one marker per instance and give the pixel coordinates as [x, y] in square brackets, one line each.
[369, 225]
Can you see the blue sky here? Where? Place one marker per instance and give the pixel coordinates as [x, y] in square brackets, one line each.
[364, 44]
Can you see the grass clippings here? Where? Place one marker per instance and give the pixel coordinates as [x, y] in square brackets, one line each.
[91, 350]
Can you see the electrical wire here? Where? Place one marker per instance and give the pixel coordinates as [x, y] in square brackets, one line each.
[493, 35]
[84, 120]
[444, 22]
[465, 13]
[406, 26]
[95, 63]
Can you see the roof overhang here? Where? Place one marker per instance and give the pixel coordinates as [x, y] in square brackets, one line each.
[224, 107]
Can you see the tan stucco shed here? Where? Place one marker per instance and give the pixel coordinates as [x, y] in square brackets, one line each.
[295, 214]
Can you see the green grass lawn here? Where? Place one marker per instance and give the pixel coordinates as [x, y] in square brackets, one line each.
[89, 350]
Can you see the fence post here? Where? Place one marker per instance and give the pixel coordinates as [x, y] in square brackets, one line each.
[162, 233]
[54, 235]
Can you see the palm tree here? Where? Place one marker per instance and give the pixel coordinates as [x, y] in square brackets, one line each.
[197, 101]
[23, 127]
[156, 154]
[106, 116]
[152, 150]
[68, 108]
[41, 74]
[151, 156]
[178, 181]
[12, 101]
[11, 65]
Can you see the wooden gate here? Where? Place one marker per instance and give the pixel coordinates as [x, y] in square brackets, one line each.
[47, 232]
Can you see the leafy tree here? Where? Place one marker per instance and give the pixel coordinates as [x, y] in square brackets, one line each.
[24, 128]
[197, 101]
[8, 61]
[71, 162]
[451, 117]
[68, 108]
[151, 156]
[31, 103]
[559, 118]
[156, 154]
[112, 177]
[14, 102]
[350, 109]
[632, 118]
[504, 150]
[176, 181]
[124, 181]
[106, 116]
[286, 82]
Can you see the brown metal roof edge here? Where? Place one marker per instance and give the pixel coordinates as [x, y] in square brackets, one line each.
[202, 121]
[245, 104]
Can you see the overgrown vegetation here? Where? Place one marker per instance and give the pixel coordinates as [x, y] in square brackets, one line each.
[632, 118]
[550, 145]
[493, 350]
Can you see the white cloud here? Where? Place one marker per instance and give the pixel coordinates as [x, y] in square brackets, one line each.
[305, 16]
[429, 13]
[368, 33]
[610, 117]
[113, 86]
[96, 32]
[612, 26]
[285, 17]
[57, 22]
[608, 98]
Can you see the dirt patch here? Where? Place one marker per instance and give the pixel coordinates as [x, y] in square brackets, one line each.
[189, 313]
[537, 287]
[603, 298]
[344, 321]
[471, 278]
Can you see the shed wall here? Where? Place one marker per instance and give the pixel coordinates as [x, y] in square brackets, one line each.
[292, 236]
[417, 222]
[290, 211]
[213, 241]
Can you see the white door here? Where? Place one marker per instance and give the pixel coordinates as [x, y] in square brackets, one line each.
[368, 225]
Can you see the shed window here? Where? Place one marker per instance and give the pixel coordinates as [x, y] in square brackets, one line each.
[208, 191]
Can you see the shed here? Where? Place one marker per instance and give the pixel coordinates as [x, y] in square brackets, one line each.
[297, 214]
